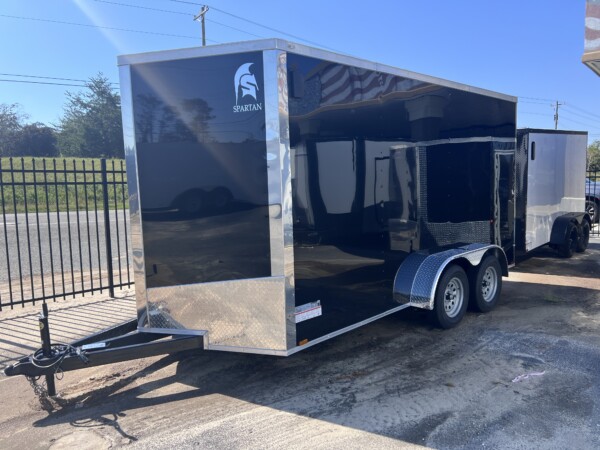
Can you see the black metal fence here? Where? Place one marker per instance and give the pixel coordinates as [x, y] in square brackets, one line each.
[64, 230]
[592, 199]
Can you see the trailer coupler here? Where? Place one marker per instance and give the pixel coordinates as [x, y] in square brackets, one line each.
[121, 343]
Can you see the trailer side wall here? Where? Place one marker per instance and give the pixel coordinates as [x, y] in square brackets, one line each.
[383, 165]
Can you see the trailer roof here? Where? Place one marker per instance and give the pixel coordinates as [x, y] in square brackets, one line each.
[292, 47]
[549, 131]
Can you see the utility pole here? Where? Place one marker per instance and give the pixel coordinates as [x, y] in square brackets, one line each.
[200, 16]
[556, 114]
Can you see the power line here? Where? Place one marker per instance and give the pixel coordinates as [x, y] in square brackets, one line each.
[42, 82]
[257, 24]
[129, 5]
[46, 78]
[568, 119]
[144, 7]
[534, 113]
[552, 100]
[99, 26]
[590, 121]
[583, 116]
[533, 102]
[568, 105]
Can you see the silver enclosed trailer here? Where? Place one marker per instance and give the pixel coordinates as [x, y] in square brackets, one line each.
[550, 191]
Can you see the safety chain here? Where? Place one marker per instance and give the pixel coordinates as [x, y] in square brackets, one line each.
[38, 389]
[41, 393]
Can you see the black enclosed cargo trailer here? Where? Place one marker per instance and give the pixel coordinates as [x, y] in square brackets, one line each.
[333, 169]
[281, 195]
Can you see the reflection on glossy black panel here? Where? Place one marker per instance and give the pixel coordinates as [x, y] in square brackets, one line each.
[200, 132]
[357, 137]
[459, 182]
[506, 216]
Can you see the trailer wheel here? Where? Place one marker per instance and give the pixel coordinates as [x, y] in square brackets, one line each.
[451, 297]
[486, 284]
[569, 246]
[584, 236]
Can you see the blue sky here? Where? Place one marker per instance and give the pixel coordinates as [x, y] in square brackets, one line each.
[531, 49]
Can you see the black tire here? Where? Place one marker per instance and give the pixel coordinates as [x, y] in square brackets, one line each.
[591, 207]
[485, 282]
[569, 246]
[451, 297]
[584, 236]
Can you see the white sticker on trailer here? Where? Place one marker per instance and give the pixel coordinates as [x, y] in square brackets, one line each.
[308, 311]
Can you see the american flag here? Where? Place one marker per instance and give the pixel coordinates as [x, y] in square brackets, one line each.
[592, 26]
[346, 84]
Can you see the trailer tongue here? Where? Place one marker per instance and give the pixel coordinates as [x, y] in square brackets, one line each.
[281, 195]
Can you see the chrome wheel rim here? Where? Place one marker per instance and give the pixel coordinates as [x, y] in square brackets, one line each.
[454, 296]
[489, 284]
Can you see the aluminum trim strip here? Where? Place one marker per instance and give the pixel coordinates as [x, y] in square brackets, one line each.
[287, 216]
[256, 351]
[274, 162]
[280, 185]
[279, 180]
[135, 216]
[457, 141]
[198, 52]
[346, 329]
[168, 331]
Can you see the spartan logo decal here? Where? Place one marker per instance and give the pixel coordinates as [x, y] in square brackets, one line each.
[245, 86]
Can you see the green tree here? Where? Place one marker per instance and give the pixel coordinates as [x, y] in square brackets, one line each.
[593, 156]
[91, 123]
[36, 139]
[11, 122]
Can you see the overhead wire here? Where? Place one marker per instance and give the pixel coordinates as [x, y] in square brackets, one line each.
[42, 82]
[568, 119]
[102, 27]
[587, 124]
[46, 78]
[256, 24]
[129, 5]
[588, 116]
[540, 99]
[569, 105]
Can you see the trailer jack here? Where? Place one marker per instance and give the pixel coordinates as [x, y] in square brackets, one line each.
[120, 343]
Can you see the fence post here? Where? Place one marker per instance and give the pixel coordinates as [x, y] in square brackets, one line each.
[109, 262]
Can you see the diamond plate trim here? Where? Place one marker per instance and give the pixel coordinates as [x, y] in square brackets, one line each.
[239, 313]
[417, 277]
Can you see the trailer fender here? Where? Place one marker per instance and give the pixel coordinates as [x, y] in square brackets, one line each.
[417, 277]
[561, 225]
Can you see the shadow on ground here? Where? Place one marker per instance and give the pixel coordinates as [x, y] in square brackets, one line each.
[20, 335]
